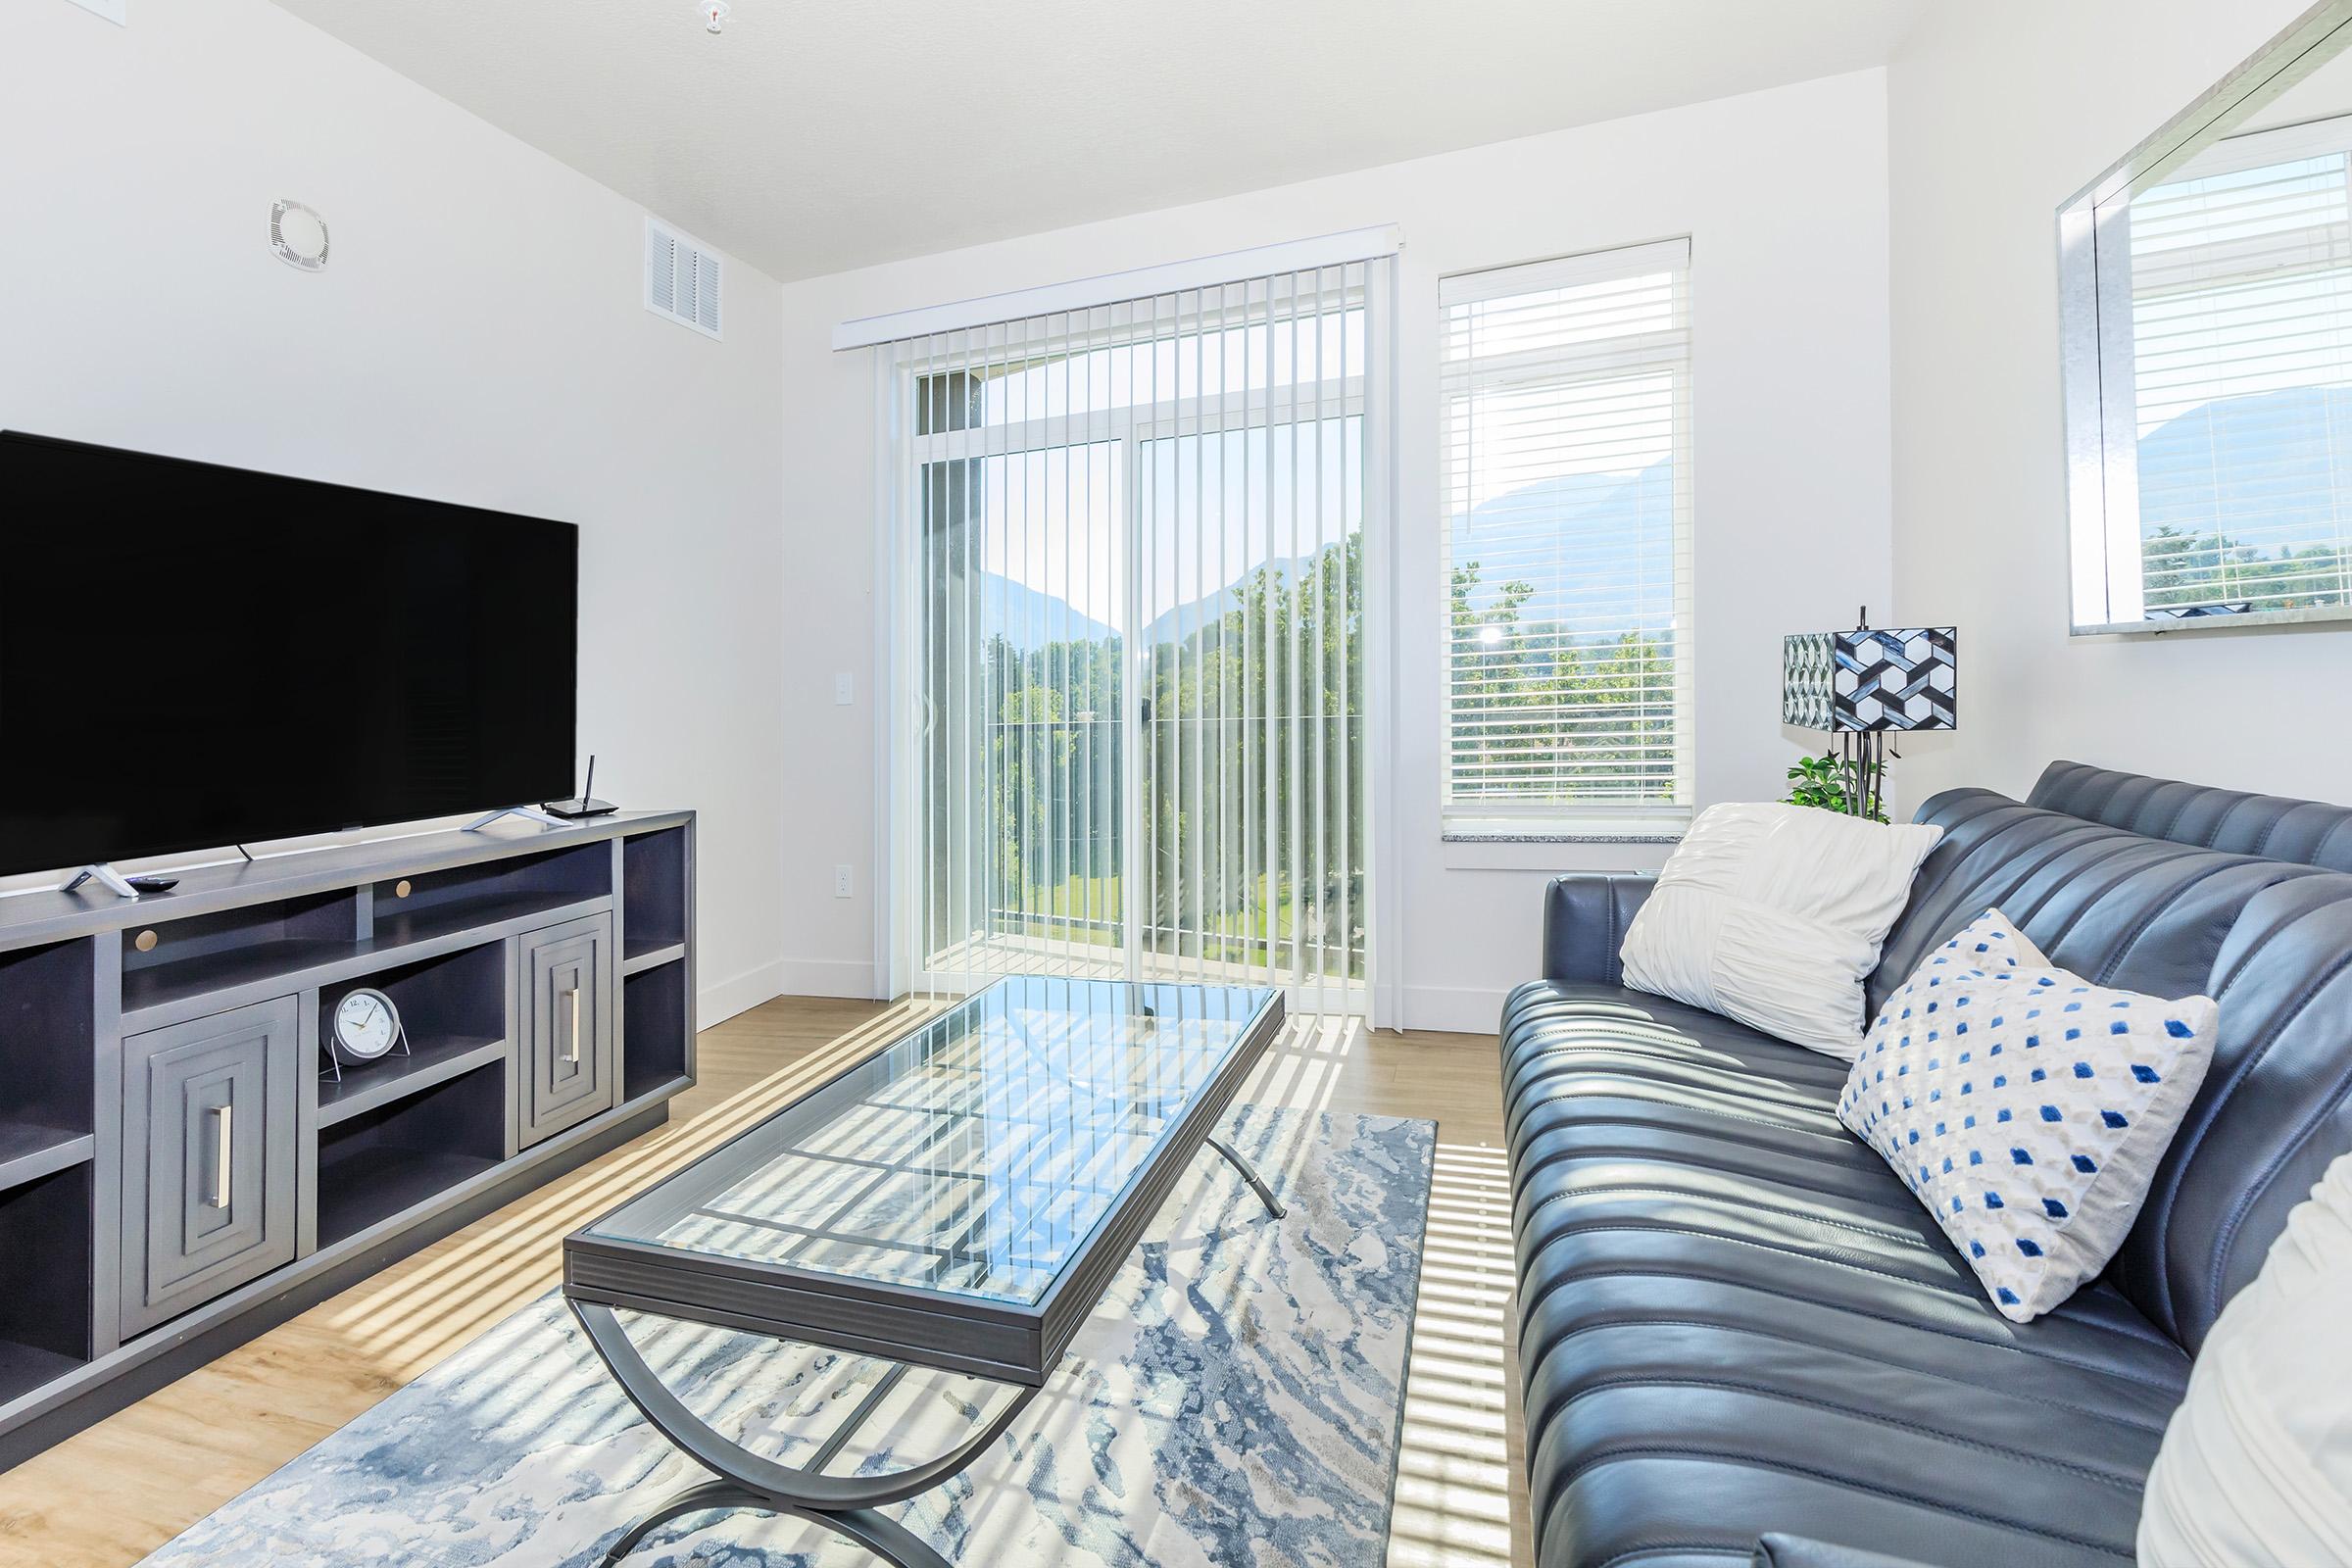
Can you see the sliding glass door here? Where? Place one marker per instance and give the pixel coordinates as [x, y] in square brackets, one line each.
[1128, 641]
[1250, 541]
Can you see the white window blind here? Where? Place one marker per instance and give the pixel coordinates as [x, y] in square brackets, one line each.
[1126, 556]
[2241, 309]
[1566, 467]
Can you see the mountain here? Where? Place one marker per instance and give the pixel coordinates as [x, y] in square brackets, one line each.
[2261, 472]
[1173, 625]
[2266, 460]
[1614, 526]
[1611, 527]
[1029, 619]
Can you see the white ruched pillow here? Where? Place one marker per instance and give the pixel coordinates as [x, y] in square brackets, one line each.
[2256, 1466]
[1773, 915]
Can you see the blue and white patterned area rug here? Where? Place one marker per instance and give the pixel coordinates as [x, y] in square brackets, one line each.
[1236, 1398]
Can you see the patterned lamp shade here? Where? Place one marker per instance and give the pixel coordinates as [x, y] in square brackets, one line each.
[1871, 679]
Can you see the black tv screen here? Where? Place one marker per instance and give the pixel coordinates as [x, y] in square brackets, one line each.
[195, 657]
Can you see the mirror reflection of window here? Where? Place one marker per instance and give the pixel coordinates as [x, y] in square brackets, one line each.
[2205, 304]
[2241, 327]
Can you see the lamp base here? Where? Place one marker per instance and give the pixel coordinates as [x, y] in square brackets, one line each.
[1864, 753]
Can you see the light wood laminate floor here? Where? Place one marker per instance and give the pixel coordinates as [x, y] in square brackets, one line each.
[110, 1494]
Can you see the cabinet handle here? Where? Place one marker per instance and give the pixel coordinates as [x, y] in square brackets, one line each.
[225, 1129]
[572, 1041]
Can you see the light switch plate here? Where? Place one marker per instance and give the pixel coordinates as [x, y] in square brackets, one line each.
[842, 690]
[840, 881]
[116, 12]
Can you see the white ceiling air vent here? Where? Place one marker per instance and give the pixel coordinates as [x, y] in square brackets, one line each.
[681, 278]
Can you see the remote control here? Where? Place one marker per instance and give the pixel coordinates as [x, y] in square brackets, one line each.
[153, 884]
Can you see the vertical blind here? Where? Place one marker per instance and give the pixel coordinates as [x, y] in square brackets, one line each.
[1128, 637]
[2241, 316]
[1566, 473]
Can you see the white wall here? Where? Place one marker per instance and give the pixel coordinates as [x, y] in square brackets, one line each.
[479, 337]
[1999, 111]
[1784, 194]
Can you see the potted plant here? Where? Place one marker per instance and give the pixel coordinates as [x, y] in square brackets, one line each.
[1830, 783]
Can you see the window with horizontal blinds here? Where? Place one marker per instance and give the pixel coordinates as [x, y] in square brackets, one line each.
[1566, 470]
[2241, 337]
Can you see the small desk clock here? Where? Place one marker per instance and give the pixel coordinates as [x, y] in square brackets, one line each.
[365, 1025]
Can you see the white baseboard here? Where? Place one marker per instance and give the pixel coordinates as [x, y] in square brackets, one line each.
[1454, 1009]
[825, 977]
[725, 999]
[782, 977]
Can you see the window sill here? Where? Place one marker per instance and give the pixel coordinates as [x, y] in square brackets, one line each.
[1589, 824]
[1555, 851]
[2251, 620]
[1564, 836]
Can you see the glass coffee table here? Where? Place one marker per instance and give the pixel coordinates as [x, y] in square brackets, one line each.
[959, 1202]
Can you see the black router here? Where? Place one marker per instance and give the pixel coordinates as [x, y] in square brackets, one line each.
[584, 803]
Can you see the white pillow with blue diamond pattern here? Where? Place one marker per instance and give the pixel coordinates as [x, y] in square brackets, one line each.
[1989, 941]
[2026, 1107]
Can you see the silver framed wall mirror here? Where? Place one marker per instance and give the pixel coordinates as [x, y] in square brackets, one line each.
[298, 234]
[2205, 311]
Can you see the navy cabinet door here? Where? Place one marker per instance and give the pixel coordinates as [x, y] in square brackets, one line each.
[567, 985]
[208, 1154]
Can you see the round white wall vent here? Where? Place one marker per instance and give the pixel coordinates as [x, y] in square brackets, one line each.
[299, 236]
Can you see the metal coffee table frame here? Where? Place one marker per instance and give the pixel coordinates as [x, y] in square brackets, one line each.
[910, 1326]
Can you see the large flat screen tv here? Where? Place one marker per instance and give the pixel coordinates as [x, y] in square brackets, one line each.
[195, 657]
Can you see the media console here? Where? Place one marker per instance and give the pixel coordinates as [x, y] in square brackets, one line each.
[177, 1175]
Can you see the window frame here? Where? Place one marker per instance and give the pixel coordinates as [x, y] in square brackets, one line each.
[1592, 821]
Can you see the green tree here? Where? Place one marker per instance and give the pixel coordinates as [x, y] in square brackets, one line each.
[1052, 760]
[1560, 715]
[1246, 710]
[2180, 567]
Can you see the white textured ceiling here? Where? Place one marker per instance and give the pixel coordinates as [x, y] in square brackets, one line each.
[815, 135]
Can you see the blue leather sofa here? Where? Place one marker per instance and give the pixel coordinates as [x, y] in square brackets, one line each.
[1740, 1338]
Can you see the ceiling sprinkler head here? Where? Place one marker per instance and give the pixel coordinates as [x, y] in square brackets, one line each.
[713, 13]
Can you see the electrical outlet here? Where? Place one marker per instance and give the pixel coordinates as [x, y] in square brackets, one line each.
[116, 12]
[842, 688]
[840, 881]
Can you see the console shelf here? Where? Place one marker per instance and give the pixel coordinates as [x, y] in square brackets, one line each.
[657, 963]
[658, 1026]
[367, 1186]
[29, 1151]
[380, 1083]
[208, 963]
[163, 993]
[657, 890]
[543, 977]
[455, 1009]
[427, 927]
[24, 1367]
[44, 1312]
[636, 959]
[202, 986]
[402, 1152]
